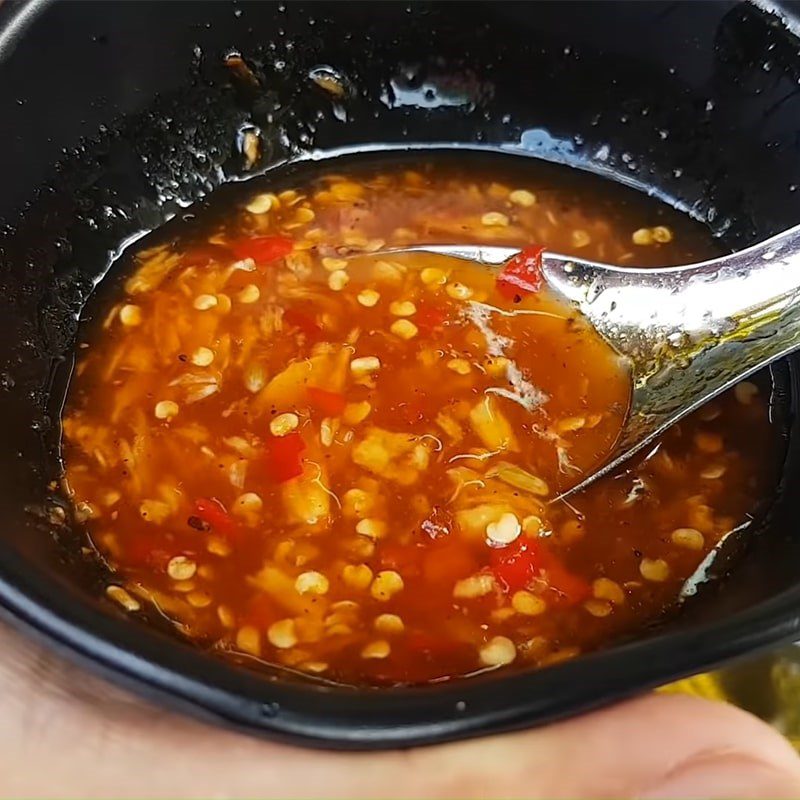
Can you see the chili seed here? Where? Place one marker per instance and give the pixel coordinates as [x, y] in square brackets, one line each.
[505, 530]
[404, 329]
[199, 599]
[130, 316]
[205, 302]
[707, 442]
[282, 634]
[225, 616]
[248, 503]
[494, 219]
[334, 264]
[365, 365]
[432, 276]
[123, 598]
[474, 586]
[314, 666]
[356, 412]
[255, 377]
[181, 568]
[357, 576]
[218, 547]
[338, 280]
[690, 538]
[249, 294]
[371, 528]
[326, 432]
[166, 409]
[260, 204]
[713, 471]
[244, 265]
[528, 604]
[386, 584]
[388, 272]
[459, 291]
[378, 649]
[202, 357]
[744, 392]
[459, 365]
[284, 424]
[402, 308]
[248, 640]
[606, 589]
[580, 238]
[598, 608]
[654, 569]
[498, 652]
[642, 237]
[661, 234]
[311, 582]
[368, 298]
[522, 197]
[388, 624]
[570, 424]
[304, 215]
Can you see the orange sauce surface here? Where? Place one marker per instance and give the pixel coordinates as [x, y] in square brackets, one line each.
[305, 450]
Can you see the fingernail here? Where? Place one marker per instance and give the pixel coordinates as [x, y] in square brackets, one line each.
[733, 776]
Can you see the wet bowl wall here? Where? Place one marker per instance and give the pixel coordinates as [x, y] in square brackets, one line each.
[118, 116]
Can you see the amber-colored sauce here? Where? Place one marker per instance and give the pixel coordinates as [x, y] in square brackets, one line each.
[304, 451]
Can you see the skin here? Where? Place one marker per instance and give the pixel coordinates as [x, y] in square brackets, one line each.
[65, 733]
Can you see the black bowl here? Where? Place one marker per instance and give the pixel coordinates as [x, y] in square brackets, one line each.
[116, 116]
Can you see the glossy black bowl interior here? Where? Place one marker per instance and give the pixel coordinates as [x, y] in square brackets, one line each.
[117, 115]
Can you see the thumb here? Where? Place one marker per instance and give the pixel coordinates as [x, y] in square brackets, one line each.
[655, 747]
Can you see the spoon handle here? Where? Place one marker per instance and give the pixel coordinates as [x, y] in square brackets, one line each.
[688, 332]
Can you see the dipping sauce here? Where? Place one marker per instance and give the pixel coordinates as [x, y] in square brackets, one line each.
[303, 450]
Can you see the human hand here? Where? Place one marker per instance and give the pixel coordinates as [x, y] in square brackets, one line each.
[65, 733]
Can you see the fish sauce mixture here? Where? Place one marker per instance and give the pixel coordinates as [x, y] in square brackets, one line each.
[303, 450]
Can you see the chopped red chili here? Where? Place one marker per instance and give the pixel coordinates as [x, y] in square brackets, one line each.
[262, 249]
[522, 274]
[570, 588]
[204, 254]
[303, 322]
[329, 403]
[213, 513]
[284, 460]
[516, 565]
[430, 316]
[147, 550]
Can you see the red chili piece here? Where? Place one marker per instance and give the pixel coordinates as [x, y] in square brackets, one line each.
[570, 588]
[203, 254]
[146, 551]
[262, 249]
[517, 565]
[304, 322]
[284, 457]
[522, 274]
[429, 317]
[212, 512]
[329, 403]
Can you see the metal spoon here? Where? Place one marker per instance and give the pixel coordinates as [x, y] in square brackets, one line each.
[688, 333]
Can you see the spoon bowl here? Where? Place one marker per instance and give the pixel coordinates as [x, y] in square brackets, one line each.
[688, 333]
